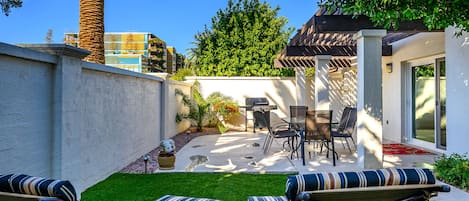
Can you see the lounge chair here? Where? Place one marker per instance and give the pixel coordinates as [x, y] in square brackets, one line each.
[382, 184]
[24, 187]
[406, 184]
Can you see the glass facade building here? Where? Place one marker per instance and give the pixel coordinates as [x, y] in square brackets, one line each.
[127, 50]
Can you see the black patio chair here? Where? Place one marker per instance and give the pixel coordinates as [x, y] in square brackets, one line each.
[346, 126]
[318, 129]
[288, 130]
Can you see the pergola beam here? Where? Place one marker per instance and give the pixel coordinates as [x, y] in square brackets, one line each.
[313, 50]
[350, 23]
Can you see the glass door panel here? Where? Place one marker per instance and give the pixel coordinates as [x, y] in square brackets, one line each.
[423, 102]
[441, 104]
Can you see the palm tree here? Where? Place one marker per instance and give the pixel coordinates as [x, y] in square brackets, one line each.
[91, 36]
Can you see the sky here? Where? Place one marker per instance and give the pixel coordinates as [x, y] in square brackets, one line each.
[174, 21]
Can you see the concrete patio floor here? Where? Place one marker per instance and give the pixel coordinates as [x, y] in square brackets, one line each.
[242, 152]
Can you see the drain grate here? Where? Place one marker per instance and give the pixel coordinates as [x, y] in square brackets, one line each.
[197, 146]
[256, 144]
[249, 157]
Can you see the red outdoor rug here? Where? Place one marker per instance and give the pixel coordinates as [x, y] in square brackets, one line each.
[401, 149]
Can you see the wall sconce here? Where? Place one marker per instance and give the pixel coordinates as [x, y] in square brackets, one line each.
[388, 67]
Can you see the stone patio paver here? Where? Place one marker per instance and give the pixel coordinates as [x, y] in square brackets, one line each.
[234, 152]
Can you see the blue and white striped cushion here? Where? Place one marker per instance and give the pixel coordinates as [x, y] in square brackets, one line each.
[336, 180]
[267, 198]
[181, 198]
[24, 184]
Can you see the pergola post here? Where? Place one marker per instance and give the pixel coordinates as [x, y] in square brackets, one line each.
[300, 77]
[369, 98]
[321, 82]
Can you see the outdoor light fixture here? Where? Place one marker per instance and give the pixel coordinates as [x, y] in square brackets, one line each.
[389, 67]
[145, 159]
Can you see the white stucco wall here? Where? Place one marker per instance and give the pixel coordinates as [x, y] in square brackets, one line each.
[25, 116]
[394, 102]
[67, 119]
[457, 110]
[175, 106]
[121, 122]
[279, 91]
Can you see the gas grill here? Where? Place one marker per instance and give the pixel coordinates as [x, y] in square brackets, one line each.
[260, 109]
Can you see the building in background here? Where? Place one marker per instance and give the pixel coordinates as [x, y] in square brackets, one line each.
[171, 59]
[134, 51]
[180, 61]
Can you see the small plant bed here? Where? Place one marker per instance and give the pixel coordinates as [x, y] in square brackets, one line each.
[224, 186]
[454, 170]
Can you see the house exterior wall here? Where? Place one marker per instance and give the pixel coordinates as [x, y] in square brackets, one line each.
[394, 84]
[457, 72]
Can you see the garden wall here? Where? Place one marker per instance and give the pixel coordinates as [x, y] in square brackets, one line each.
[279, 91]
[67, 119]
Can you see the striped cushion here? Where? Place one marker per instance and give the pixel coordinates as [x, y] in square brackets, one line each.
[181, 198]
[336, 180]
[24, 184]
[267, 198]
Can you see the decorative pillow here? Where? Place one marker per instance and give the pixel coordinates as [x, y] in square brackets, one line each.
[267, 198]
[337, 180]
[24, 184]
[181, 198]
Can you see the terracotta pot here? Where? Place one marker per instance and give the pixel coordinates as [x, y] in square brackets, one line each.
[166, 162]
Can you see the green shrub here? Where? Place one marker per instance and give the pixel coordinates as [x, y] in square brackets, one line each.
[181, 74]
[453, 169]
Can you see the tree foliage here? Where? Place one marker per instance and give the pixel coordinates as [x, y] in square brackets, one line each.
[243, 40]
[6, 5]
[436, 14]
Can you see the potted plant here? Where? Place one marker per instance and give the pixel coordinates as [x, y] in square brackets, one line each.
[167, 157]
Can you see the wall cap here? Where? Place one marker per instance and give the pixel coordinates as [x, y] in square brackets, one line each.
[58, 49]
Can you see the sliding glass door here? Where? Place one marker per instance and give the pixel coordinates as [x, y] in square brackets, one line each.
[428, 106]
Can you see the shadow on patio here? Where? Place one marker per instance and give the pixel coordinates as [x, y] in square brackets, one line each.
[242, 152]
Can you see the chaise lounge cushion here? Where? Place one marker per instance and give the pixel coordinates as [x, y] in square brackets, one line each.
[267, 198]
[24, 184]
[181, 198]
[337, 180]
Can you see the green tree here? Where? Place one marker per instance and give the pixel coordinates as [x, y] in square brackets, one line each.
[243, 40]
[8, 4]
[437, 14]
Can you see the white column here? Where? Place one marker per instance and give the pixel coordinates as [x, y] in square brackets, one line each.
[300, 76]
[369, 98]
[321, 82]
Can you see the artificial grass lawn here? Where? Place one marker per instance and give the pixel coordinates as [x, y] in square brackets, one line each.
[223, 186]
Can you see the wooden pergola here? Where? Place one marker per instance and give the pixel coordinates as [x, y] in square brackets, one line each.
[332, 34]
[330, 41]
